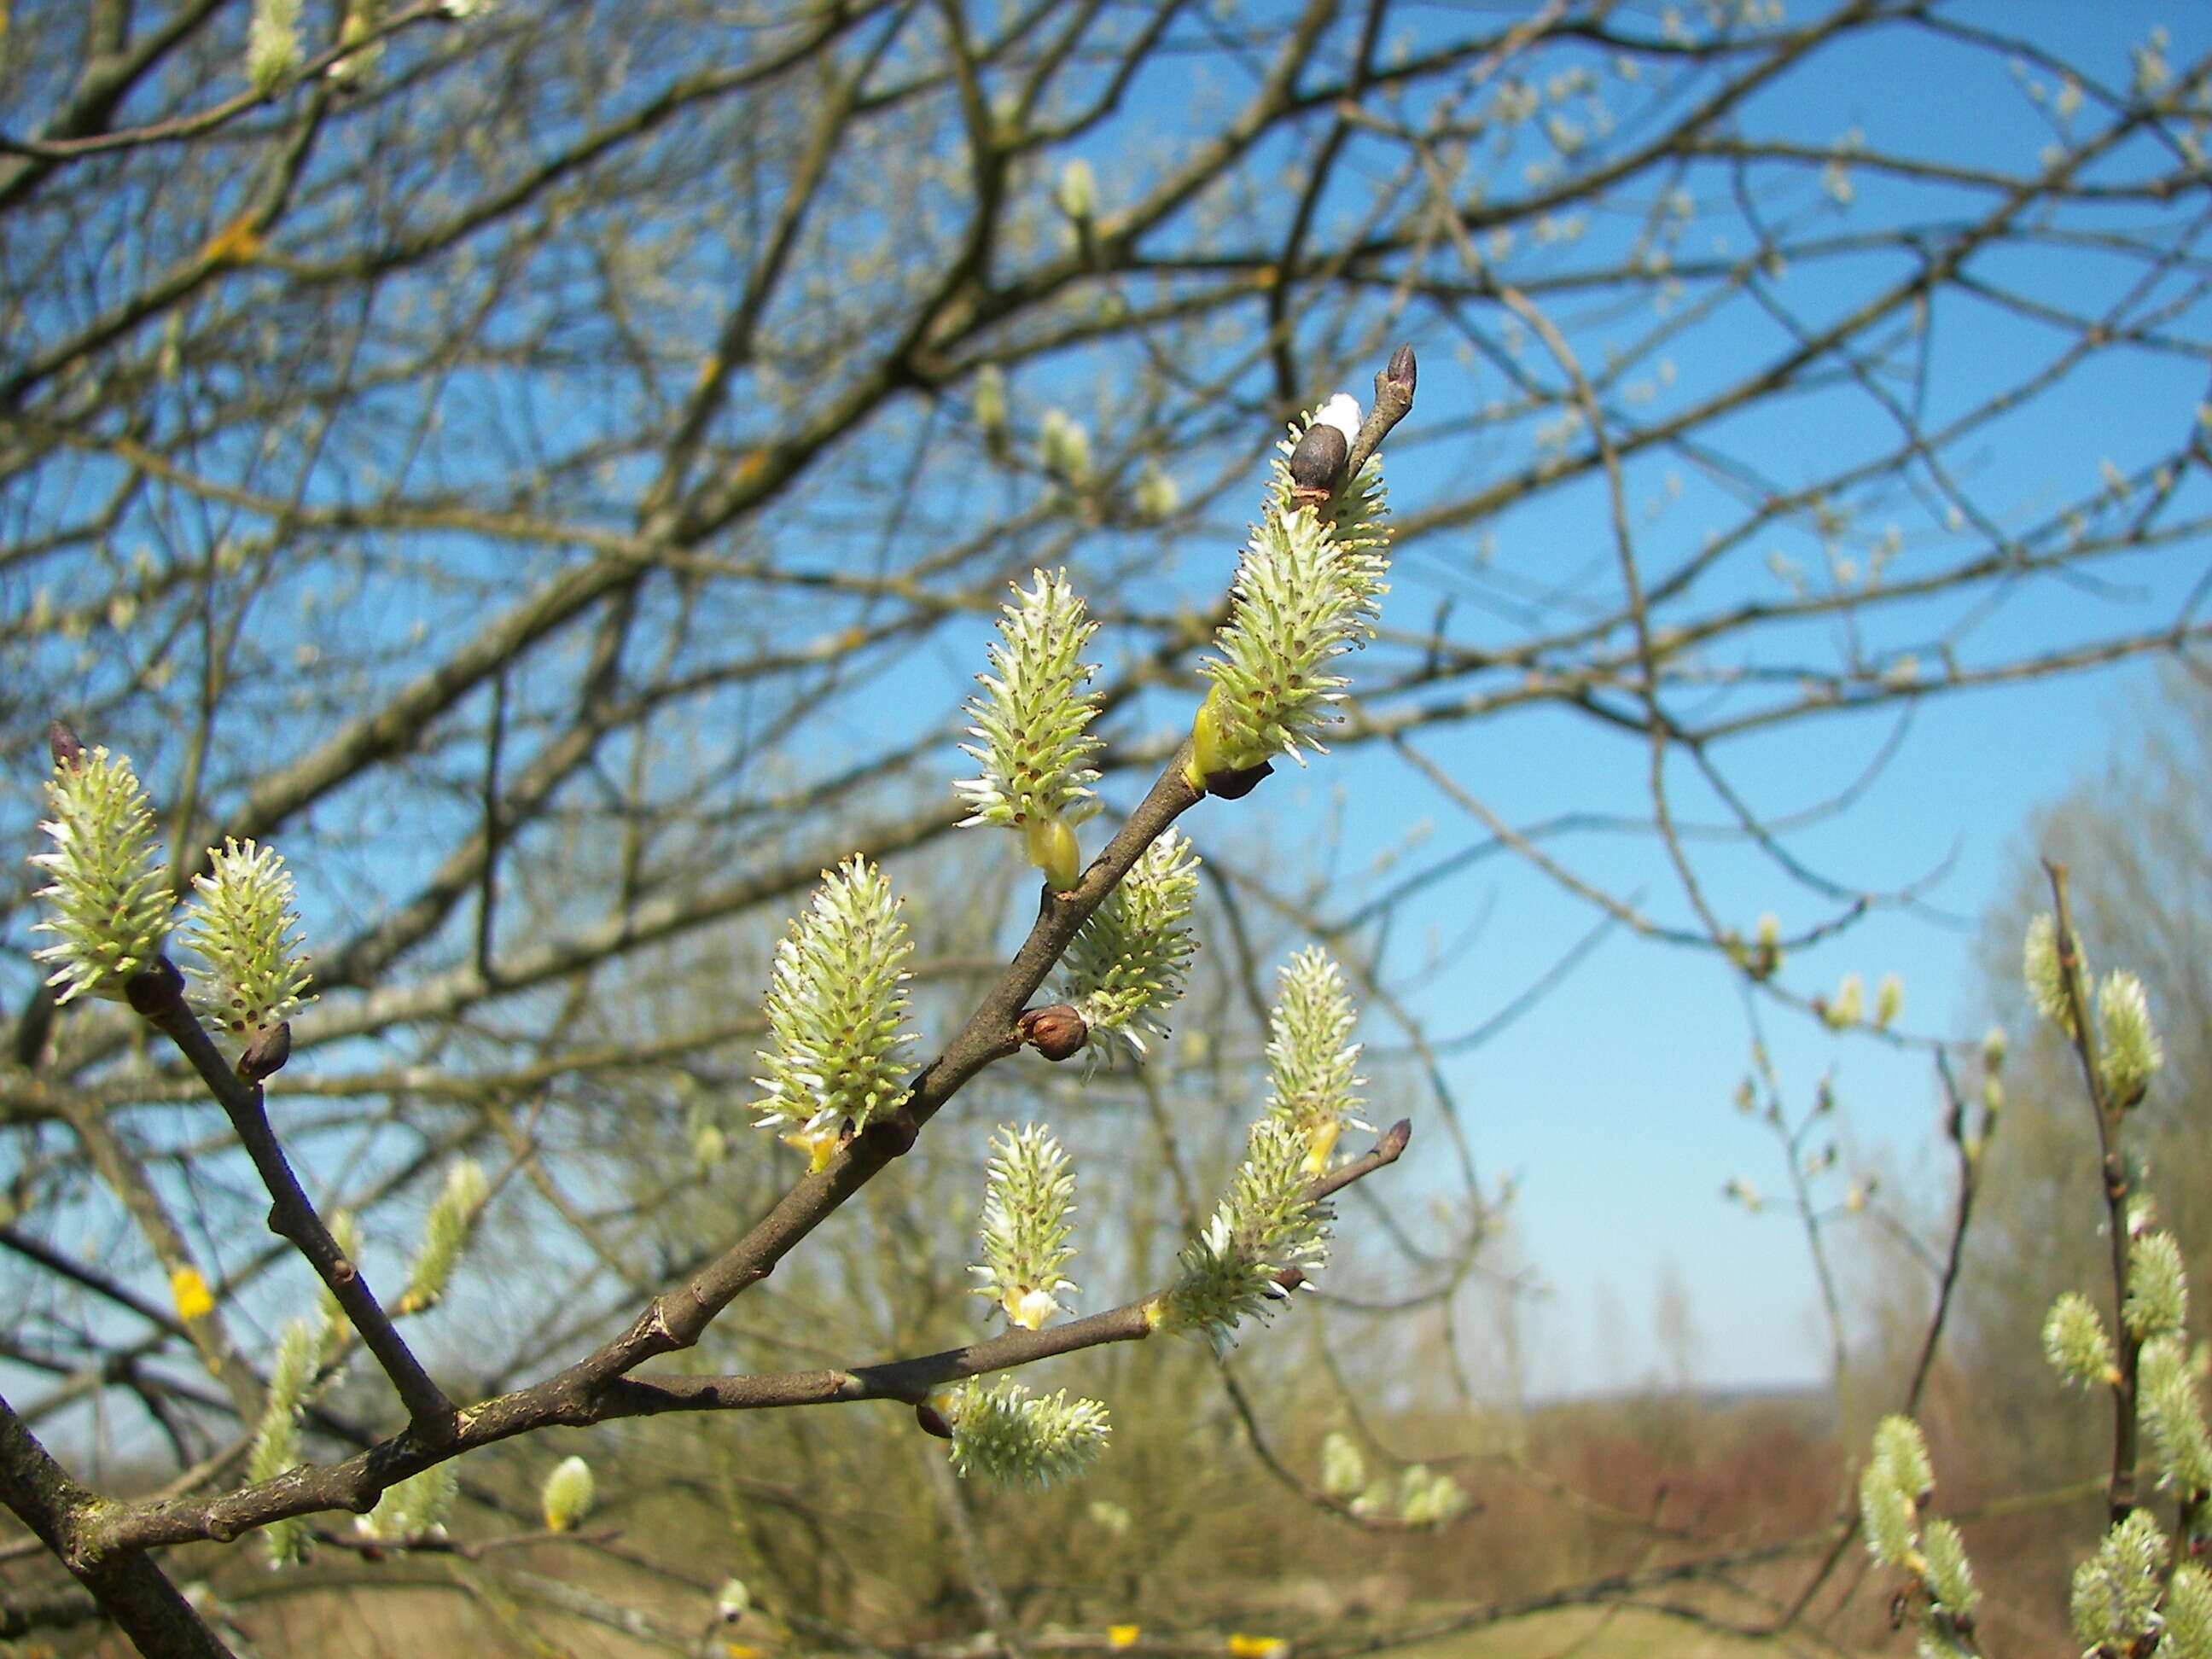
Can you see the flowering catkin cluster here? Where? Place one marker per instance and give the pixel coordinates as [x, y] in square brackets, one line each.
[1310, 1061]
[1264, 1228]
[412, 1508]
[1893, 1492]
[272, 44]
[277, 1441]
[1028, 1198]
[2117, 1591]
[1308, 588]
[445, 1229]
[1127, 966]
[1033, 716]
[1429, 1498]
[108, 901]
[2075, 1342]
[2129, 1053]
[1013, 1438]
[836, 1007]
[242, 924]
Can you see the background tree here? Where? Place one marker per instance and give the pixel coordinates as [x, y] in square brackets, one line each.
[550, 468]
[2130, 836]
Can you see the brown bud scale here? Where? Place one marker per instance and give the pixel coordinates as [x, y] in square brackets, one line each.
[1055, 1032]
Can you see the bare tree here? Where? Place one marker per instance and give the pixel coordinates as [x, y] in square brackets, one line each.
[548, 467]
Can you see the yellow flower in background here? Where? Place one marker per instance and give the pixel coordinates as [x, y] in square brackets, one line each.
[1258, 1647]
[1123, 1636]
[190, 1293]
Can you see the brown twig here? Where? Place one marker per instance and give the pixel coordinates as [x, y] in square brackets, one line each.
[158, 995]
[2121, 1489]
[356, 1483]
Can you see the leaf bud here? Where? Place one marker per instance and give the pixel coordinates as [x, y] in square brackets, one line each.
[63, 745]
[266, 1055]
[1057, 1032]
[1317, 463]
[1402, 371]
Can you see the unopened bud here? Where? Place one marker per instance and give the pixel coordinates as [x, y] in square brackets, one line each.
[1055, 1032]
[266, 1055]
[931, 1421]
[1317, 463]
[1403, 371]
[155, 987]
[67, 750]
[1239, 783]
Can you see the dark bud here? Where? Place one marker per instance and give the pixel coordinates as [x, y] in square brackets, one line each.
[897, 1131]
[1056, 1032]
[1318, 464]
[68, 752]
[266, 1055]
[1403, 371]
[154, 989]
[932, 1421]
[1234, 786]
